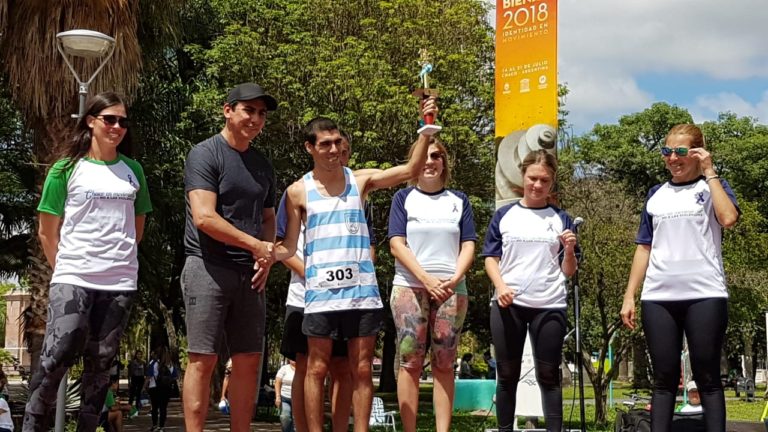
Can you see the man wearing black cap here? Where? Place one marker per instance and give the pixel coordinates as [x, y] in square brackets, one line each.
[230, 225]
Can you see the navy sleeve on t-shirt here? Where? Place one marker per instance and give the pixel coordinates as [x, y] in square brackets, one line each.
[731, 195]
[467, 225]
[568, 225]
[398, 217]
[645, 232]
[282, 217]
[493, 241]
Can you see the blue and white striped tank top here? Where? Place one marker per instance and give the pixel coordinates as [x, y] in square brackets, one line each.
[338, 267]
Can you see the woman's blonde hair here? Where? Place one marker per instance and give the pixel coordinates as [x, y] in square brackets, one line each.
[541, 157]
[693, 131]
[445, 176]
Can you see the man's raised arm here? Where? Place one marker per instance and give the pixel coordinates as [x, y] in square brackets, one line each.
[394, 176]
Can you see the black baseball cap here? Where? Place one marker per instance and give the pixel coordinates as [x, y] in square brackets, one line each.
[251, 91]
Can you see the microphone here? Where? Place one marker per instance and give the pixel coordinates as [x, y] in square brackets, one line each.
[577, 223]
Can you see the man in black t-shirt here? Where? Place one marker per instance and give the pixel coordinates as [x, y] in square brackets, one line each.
[230, 225]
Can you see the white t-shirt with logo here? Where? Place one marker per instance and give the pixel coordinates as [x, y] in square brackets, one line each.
[434, 226]
[98, 202]
[527, 242]
[680, 225]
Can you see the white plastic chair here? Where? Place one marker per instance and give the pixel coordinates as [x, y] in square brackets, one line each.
[379, 417]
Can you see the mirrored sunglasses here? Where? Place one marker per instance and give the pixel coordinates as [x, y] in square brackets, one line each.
[680, 151]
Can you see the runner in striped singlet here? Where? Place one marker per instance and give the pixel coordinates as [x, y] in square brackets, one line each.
[342, 299]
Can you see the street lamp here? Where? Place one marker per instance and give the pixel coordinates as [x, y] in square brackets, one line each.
[87, 44]
[84, 44]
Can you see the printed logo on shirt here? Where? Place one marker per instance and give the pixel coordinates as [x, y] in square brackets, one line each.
[352, 221]
[509, 239]
[700, 198]
[130, 180]
[455, 208]
[91, 194]
[551, 227]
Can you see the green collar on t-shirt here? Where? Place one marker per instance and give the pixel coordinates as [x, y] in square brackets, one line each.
[101, 162]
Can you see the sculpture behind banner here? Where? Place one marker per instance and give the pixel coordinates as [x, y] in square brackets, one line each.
[509, 158]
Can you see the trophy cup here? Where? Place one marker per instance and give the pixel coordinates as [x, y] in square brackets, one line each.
[429, 127]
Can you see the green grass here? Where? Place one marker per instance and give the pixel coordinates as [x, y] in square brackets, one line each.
[465, 421]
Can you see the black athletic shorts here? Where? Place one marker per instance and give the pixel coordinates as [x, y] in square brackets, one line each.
[343, 325]
[295, 342]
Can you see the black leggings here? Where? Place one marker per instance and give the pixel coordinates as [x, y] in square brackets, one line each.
[159, 398]
[704, 322]
[508, 330]
[134, 390]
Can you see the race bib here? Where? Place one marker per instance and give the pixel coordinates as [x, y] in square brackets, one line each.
[338, 277]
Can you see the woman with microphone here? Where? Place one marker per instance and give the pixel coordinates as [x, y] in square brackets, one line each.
[679, 263]
[530, 250]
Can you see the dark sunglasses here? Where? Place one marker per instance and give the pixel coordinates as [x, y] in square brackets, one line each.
[680, 151]
[112, 120]
[435, 155]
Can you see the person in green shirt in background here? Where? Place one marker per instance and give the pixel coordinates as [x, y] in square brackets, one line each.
[112, 413]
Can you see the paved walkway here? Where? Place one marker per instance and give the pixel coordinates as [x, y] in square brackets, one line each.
[175, 422]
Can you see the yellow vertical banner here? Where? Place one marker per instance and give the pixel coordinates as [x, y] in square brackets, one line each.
[526, 88]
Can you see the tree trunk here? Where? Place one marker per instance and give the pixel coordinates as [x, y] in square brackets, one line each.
[749, 370]
[600, 402]
[387, 381]
[170, 331]
[641, 365]
[624, 369]
[567, 376]
[36, 314]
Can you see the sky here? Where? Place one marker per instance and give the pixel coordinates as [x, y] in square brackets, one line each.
[618, 57]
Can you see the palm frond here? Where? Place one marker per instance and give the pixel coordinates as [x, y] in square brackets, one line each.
[38, 78]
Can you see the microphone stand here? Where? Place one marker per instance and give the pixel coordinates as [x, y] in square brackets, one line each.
[577, 316]
[579, 356]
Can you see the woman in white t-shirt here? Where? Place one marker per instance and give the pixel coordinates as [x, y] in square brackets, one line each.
[530, 251]
[679, 263]
[91, 213]
[6, 421]
[432, 237]
[283, 384]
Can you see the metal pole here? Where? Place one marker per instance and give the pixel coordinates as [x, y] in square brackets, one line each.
[579, 355]
[610, 383]
[83, 93]
[61, 402]
[61, 396]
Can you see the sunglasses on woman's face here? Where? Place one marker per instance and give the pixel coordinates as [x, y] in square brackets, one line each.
[435, 155]
[112, 120]
[680, 151]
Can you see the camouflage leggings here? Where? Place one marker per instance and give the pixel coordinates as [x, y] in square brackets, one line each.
[80, 321]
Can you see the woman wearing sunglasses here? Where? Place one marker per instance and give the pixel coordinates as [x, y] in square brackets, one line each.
[432, 237]
[530, 250]
[679, 263]
[91, 214]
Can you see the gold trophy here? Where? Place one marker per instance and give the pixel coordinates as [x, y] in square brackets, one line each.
[429, 127]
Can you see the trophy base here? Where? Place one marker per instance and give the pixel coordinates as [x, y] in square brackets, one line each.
[429, 129]
[424, 93]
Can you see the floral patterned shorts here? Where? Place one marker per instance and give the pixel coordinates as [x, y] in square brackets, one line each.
[416, 314]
